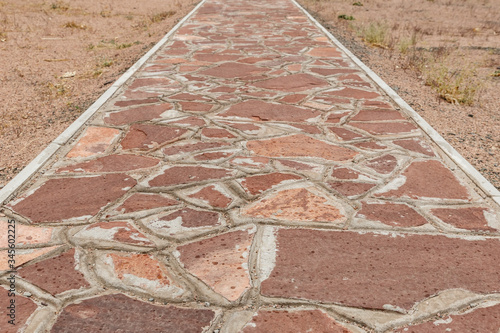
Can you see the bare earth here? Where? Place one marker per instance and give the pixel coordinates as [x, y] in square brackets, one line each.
[461, 35]
[57, 57]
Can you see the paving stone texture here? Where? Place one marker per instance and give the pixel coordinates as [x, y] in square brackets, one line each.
[251, 178]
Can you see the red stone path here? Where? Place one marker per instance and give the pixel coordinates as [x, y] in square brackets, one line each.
[251, 178]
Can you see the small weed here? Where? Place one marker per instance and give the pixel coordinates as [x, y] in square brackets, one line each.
[74, 25]
[454, 86]
[106, 63]
[129, 17]
[346, 17]
[59, 5]
[357, 3]
[375, 34]
[90, 47]
[496, 73]
[123, 46]
[161, 16]
[105, 13]
[3, 36]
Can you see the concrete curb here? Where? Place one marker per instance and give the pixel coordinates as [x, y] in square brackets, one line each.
[462, 163]
[52, 148]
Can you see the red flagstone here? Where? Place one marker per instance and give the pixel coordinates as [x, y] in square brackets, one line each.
[324, 52]
[119, 231]
[146, 112]
[211, 156]
[195, 106]
[144, 201]
[333, 71]
[22, 310]
[300, 146]
[345, 173]
[260, 183]
[304, 321]
[353, 93]
[233, 70]
[193, 147]
[221, 262]
[145, 136]
[398, 215]
[56, 274]
[377, 114]
[372, 271]
[429, 179]
[385, 128]
[218, 133]
[383, 164]
[191, 218]
[292, 83]
[298, 204]
[213, 196]
[471, 218]
[95, 140]
[416, 146]
[265, 111]
[65, 198]
[119, 313]
[351, 188]
[178, 175]
[112, 163]
[345, 134]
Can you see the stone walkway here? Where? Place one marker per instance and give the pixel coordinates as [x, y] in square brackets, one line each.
[251, 178]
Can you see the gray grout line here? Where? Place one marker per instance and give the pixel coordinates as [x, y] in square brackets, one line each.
[462, 163]
[61, 140]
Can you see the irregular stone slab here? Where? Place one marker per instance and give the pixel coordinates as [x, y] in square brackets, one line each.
[378, 271]
[183, 220]
[345, 134]
[371, 145]
[265, 111]
[24, 308]
[333, 71]
[300, 146]
[114, 231]
[260, 183]
[350, 189]
[140, 271]
[324, 52]
[95, 141]
[178, 175]
[195, 106]
[346, 173]
[56, 274]
[119, 313]
[145, 136]
[65, 198]
[397, 215]
[221, 262]
[112, 163]
[292, 83]
[149, 82]
[471, 218]
[383, 164]
[478, 320]
[210, 57]
[353, 93]
[377, 114]
[299, 204]
[214, 196]
[25, 235]
[293, 321]
[144, 201]
[146, 112]
[252, 162]
[217, 133]
[193, 147]
[236, 70]
[213, 156]
[416, 146]
[189, 121]
[426, 180]
[386, 128]
[22, 256]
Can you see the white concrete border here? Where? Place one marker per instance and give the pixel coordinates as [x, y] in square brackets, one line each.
[52, 148]
[466, 167]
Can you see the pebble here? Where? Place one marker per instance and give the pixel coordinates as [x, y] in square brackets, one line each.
[27, 294]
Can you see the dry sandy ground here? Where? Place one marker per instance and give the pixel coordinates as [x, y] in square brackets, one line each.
[459, 37]
[57, 57]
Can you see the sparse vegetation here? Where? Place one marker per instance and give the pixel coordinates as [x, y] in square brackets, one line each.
[357, 3]
[59, 5]
[161, 16]
[346, 17]
[74, 25]
[374, 33]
